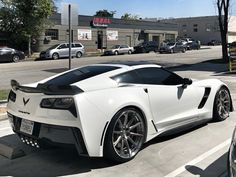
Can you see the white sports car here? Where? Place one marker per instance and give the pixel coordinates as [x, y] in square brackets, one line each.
[110, 110]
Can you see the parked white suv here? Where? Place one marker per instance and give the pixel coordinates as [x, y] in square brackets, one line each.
[62, 50]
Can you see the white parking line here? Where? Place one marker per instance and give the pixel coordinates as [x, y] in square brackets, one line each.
[199, 159]
[5, 128]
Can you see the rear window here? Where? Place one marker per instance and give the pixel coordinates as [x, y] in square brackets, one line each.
[80, 74]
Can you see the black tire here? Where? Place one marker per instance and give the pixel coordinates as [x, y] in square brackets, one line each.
[125, 135]
[222, 104]
[144, 50]
[78, 55]
[129, 52]
[15, 58]
[183, 50]
[55, 56]
[116, 53]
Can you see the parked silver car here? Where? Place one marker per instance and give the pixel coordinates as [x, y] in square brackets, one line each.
[62, 50]
[119, 49]
[173, 47]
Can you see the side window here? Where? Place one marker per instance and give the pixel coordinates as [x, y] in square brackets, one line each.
[123, 46]
[77, 45]
[158, 76]
[128, 77]
[63, 46]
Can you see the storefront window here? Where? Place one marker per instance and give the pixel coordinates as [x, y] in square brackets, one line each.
[53, 33]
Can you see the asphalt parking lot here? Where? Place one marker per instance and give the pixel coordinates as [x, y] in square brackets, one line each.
[201, 151]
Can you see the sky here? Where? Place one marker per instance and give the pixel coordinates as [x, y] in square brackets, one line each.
[149, 8]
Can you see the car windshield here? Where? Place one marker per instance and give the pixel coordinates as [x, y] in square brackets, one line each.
[115, 46]
[140, 44]
[171, 43]
[53, 47]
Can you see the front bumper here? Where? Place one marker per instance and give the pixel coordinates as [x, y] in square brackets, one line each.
[109, 53]
[45, 134]
[45, 55]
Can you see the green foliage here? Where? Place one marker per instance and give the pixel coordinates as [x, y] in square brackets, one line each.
[105, 13]
[128, 16]
[23, 19]
[4, 94]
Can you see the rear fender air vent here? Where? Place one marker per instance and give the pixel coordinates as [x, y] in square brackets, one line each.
[205, 97]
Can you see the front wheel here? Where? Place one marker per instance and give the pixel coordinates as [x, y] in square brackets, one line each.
[125, 135]
[15, 58]
[222, 104]
[55, 56]
[129, 52]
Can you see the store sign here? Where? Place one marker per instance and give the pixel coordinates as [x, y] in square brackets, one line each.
[112, 35]
[84, 34]
[101, 21]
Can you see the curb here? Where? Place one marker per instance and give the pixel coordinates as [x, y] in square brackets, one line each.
[3, 101]
[3, 117]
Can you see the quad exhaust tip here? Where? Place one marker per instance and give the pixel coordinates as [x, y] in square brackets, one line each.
[30, 141]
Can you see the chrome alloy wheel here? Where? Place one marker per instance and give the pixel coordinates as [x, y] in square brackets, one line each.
[128, 134]
[223, 104]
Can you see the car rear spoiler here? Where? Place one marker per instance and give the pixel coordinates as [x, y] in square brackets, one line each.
[47, 89]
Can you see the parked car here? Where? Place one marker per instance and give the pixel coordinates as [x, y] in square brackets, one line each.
[193, 45]
[146, 47]
[213, 43]
[110, 110]
[232, 156]
[119, 49]
[8, 54]
[62, 50]
[173, 47]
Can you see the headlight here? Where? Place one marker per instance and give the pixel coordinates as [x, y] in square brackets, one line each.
[66, 103]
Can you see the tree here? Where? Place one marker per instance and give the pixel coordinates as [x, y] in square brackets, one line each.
[223, 18]
[105, 13]
[128, 16]
[24, 20]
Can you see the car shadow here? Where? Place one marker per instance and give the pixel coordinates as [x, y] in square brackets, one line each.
[174, 134]
[217, 168]
[47, 162]
[217, 66]
[56, 71]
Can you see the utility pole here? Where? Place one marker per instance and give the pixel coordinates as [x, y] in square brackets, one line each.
[69, 13]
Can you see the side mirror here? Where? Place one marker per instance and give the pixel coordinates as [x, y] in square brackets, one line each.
[186, 82]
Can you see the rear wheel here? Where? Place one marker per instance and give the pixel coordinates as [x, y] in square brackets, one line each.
[183, 50]
[116, 52]
[125, 135]
[55, 56]
[15, 58]
[222, 105]
[129, 52]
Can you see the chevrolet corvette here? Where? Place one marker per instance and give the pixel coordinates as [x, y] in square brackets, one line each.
[111, 110]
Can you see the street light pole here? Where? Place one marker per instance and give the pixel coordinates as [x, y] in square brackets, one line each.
[69, 13]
